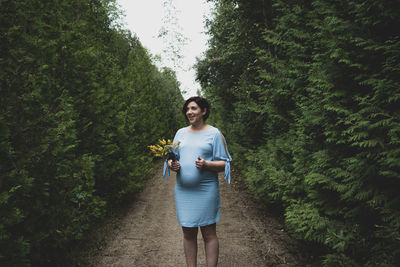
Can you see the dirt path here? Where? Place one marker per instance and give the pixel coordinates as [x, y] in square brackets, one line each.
[149, 235]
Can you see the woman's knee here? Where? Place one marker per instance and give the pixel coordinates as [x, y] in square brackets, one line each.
[190, 233]
[209, 232]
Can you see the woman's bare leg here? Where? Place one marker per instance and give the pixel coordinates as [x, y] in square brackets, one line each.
[190, 245]
[211, 244]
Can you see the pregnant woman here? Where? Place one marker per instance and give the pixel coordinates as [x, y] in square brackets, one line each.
[202, 154]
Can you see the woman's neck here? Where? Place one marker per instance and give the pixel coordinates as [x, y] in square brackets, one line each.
[198, 127]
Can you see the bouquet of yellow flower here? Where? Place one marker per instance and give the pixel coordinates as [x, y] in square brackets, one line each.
[165, 148]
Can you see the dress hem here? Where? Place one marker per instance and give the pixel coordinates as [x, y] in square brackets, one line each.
[199, 224]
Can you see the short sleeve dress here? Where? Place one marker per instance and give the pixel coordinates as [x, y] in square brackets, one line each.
[197, 198]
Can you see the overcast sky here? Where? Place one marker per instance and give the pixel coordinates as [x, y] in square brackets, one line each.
[145, 19]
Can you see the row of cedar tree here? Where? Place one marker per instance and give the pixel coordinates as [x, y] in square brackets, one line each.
[306, 92]
[80, 102]
[308, 95]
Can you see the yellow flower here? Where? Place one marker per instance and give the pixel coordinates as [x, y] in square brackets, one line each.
[162, 147]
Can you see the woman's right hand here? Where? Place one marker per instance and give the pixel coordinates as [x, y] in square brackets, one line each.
[174, 165]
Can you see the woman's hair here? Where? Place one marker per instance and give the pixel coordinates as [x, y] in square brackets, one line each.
[203, 104]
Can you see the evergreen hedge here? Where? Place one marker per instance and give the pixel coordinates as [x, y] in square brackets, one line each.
[308, 95]
[80, 102]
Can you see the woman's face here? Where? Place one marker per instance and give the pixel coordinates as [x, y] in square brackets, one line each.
[194, 113]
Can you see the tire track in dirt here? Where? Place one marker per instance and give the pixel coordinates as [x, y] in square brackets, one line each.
[149, 235]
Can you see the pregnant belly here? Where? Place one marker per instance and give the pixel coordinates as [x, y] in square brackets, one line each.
[189, 176]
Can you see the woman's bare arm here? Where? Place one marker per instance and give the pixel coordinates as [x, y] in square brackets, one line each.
[217, 166]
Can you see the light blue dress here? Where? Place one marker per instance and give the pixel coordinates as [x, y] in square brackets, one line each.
[197, 198]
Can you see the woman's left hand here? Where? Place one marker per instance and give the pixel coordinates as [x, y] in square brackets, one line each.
[201, 163]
